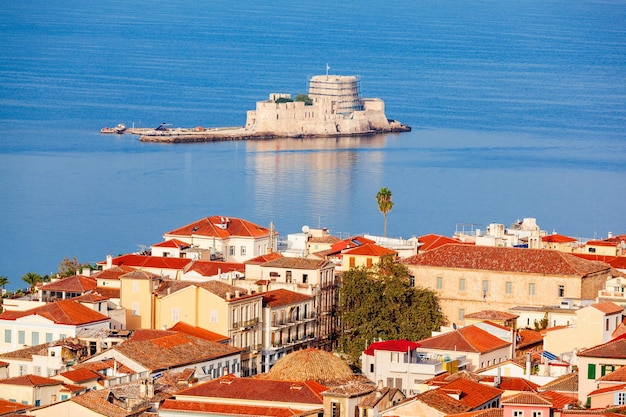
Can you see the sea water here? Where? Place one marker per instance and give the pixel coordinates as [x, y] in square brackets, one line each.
[518, 110]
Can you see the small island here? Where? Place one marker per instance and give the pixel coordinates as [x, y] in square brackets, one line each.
[333, 107]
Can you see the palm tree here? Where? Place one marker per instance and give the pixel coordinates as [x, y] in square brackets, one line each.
[4, 280]
[384, 205]
[32, 278]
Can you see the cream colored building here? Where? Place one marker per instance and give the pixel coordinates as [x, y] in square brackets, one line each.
[594, 325]
[31, 389]
[469, 278]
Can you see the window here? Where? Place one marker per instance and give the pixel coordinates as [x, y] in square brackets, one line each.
[352, 261]
[485, 288]
[531, 288]
[7, 335]
[335, 409]
[412, 281]
[135, 308]
[461, 314]
[243, 251]
[592, 250]
[537, 413]
[369, 262]
[305, 278]
[21, 337]
[231, 250]
[135, 286]
[35, 338]
[561, 290]
[439, 283]
[371, 368]
[591, 371]
[607, 325]
[37, 370]
[518, 413]
[175, 315]
[23, 370]
[62, 336]
[509, 287]
[462, 284]
[213, 316]
[621, 398]
[288, 276]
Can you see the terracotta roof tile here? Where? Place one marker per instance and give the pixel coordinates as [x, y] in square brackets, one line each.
[228, 409]
[108, 292]
[492, 315]
[212, 227]
[172, 243]
[199, 332]
[615, 349]
[528, 338]
[216, 287]
[556, 238]
[80, 375]
[172, 349]
[612, 388]
[558, 399]
[487, 412]
[261, 259]
[537, 261]
[31, 381]
[7, 407]
[432, 241]
[324, 239]
[618, 375]
[473, 394]
[95, 401]
[527, 398]
[441, 401]
[68, 312]
[350, 242]
[608, 308]
[564, 383]
[370, 249]
[75, 283]
[283, 297]
[466, 339]
[91, 297]
[253, 389]
[144, 261]
[114, 272]
[213, 268]
[510, 383]
[295, 263]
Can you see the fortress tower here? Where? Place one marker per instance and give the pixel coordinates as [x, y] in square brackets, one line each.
[342, 92]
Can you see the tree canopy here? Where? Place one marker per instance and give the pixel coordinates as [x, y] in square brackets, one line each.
[383, 197]
[379, 303]
[32, 279]
[4, 280]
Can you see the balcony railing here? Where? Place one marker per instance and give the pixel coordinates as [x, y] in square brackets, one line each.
[245, 324]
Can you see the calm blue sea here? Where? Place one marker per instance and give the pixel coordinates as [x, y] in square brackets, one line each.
[518, 110]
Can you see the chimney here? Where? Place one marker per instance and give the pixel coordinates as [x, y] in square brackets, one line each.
[527, 365]
[142, 389]
[228, 296]
[86, 271]
[150, 388]
[237, 293]
[109, 262]
[498, 379]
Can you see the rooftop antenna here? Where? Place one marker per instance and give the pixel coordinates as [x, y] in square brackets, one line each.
[327, 68]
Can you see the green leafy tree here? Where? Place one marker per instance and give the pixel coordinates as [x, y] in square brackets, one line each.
[32, 279]
[305, 98]
[378, 303]
[4, 280]
[383, 197]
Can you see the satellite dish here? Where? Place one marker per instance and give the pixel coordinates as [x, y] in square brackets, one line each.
[305, 229]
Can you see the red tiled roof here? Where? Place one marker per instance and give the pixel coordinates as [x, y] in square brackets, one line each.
[283, 297]
[618, 375]
[209, 227]
[60, 312]
[466, 339]
[95, 401]
[614, 349]
[75, 283]
[487, 258]
[612, 388]
[172, 243]
[527, 398]
[199, 332]
[528, 338]
[295, 263]
[213, 268]
[350, 242]
[73, 388]
[219, 288]
[252, 389]
[261, 259]
[228, 409]
[144, 261]
[80, 375]
[402, 345]
[492, 315]
[432, 241]
[608, 308]
[108, 292]
[559, 400]
[92, 297]
[7, 407]
[370, 249]
[510, 383]
[31, 381]
[556, 238]
[473, 394]
[441, 401]
[114, 272]
[601, 243]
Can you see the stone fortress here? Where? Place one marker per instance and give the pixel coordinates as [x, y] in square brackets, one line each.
[335, 108]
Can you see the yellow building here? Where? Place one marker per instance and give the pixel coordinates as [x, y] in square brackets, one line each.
[469, 278]
[136, 297]
[366, 255]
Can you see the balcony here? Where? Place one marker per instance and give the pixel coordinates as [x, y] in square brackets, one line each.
[244, 325]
